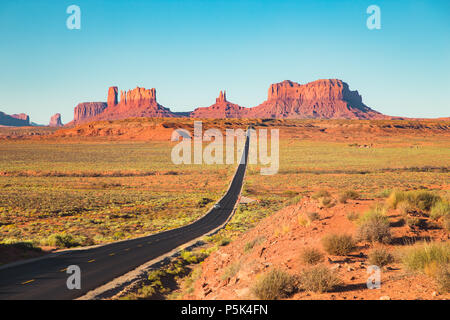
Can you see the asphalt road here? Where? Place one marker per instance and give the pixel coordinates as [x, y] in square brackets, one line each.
[46, 278]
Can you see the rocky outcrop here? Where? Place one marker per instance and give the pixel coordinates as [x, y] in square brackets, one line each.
[55, 121]
[112, 97]
[221, 109]
[327, 98]
[87, 110]
[139, 102]
[16, 120]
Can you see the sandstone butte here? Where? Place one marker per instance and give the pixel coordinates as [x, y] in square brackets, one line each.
[55, 121]
[17, 120]
[324, 99]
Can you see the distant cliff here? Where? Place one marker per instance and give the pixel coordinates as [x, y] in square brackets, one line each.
[17, 120]
[325, 99]
[322, 99]
[139, 102]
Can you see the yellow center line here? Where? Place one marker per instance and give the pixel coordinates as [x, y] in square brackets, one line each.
[63, 270]
[111, 254]
[127, 249]
[28, 281]
[91, 260]
[139, 245]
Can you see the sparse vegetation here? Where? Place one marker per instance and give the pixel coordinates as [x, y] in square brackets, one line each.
[347, 195]
[373, 226]
[275, 284]
[249, 245]
[231, 270]
[326, 202]
[338, 244]
[440, 209]
[352, 216]
[313, 216]
[318, 279]
[380, 257]
[311, 255]
[442, 278]
[422, 200]
[419, 256]
[321, 194]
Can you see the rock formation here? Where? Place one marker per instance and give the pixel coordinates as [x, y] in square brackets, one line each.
[139, 102]
[326, 98]
[112, 97]
[55, 121]
[16, 120]
[87, 110]
[221, 109]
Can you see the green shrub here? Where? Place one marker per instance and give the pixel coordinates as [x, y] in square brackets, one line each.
[421, 199]
[275, 284]
[192, 257]
[319, 279]
[338, 245]
[374, 226]
[422, 255]
[203, 202]
[347, 195]
[380, 257]
[311, 256]
[63, 240]
[440, 209]
[224, 242]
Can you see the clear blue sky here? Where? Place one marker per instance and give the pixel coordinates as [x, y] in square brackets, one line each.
[189, 50]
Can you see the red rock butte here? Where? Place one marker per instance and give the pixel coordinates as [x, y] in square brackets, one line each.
[326, 98]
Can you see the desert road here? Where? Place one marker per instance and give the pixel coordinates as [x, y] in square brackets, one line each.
[46, 278]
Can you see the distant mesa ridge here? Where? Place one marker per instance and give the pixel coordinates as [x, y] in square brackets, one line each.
[328, 98]
[325, 98]
[17, 120]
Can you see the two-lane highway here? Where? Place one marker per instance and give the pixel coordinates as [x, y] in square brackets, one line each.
[46, 278]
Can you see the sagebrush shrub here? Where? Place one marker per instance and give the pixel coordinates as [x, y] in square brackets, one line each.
[319, 279]
[338, 244]
[276, 284]
[311, 256]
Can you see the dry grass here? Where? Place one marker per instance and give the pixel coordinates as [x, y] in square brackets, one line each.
[311, 255]
[318, 279]
[274, 285]
[373, 226]
[338, 244]
[380, 257]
